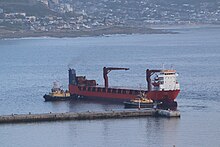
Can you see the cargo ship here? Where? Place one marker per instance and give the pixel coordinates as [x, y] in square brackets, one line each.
[162, 87]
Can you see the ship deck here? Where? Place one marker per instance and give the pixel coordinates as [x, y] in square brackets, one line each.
[123, 87]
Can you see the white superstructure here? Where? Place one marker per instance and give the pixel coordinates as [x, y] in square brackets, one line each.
[166, 80]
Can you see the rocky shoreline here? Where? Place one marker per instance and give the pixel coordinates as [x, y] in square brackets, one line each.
[6, 34]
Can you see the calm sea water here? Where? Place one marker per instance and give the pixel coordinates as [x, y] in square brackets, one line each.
[29, 66]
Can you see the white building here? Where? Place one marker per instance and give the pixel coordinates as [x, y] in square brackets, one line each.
[45, 2]
[31, 18]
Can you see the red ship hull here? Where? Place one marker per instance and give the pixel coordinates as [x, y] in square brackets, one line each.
[119, 94]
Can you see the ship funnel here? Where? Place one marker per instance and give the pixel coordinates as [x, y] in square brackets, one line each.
[72, 76]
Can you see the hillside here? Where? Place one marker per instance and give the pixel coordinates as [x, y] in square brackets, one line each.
[52, 18]
[30, 7]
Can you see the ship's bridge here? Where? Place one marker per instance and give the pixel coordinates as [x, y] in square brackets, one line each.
[166, 80]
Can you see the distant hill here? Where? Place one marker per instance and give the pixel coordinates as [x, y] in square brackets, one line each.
[92, 15]
[30, 7]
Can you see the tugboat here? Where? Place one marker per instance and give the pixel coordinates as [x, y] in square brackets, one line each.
[57, 94]
[140, 102]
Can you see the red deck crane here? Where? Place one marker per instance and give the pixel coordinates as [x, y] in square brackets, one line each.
[106, 70]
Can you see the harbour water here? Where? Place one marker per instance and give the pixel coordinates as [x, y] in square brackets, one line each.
[30, 65]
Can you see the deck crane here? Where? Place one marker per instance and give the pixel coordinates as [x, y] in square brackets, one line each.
[106, 70]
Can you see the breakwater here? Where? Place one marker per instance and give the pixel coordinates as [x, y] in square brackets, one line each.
[19, 118]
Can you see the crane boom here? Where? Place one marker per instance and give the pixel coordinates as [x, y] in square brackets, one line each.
[106, 70]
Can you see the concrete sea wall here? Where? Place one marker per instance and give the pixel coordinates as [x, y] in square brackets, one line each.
[125, 113]
[15, 118]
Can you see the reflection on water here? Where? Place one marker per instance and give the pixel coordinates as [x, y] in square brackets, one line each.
[81, 105]
[112, 132]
